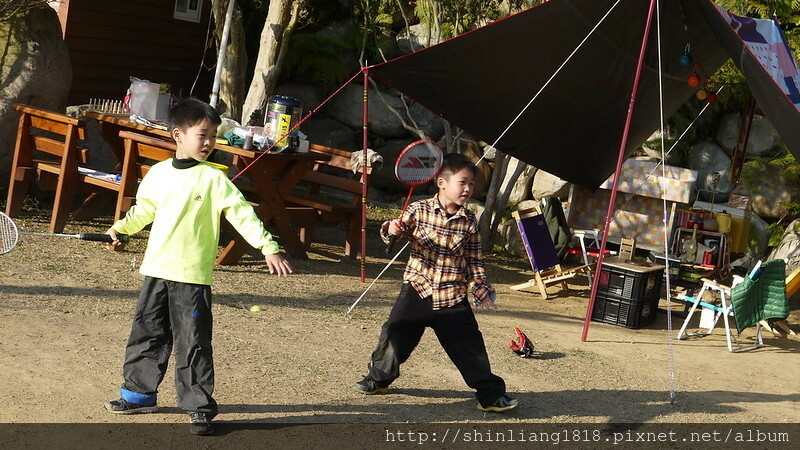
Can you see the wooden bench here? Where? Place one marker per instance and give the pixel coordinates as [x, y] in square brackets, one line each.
[48, 150]
[328, 198]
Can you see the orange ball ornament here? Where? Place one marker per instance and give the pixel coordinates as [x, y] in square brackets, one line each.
[693, 80]
[701, 94]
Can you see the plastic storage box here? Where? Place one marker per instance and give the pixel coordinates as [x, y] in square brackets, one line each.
[625, 313]
[630, 280]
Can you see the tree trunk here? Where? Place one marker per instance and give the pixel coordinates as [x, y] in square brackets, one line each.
[498, 175]
[35, 69]
[502, 202]
[234, 71]
[281, 18]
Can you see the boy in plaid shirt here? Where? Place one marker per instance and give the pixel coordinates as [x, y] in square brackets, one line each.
[445, 259]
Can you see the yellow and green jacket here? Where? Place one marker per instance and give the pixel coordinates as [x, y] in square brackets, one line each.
[184, 206]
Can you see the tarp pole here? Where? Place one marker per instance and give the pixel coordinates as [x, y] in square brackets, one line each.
[620, 158]
[223, 44]
[364, 176]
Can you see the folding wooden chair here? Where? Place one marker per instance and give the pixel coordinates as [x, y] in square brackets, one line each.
[627, 247]
[542, 254]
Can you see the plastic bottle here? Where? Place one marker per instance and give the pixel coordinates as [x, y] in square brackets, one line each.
[248, 140]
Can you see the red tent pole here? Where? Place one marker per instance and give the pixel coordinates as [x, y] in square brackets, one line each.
[364, 177]
[620, 158]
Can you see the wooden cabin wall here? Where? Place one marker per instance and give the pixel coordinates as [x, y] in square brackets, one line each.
[111, 40]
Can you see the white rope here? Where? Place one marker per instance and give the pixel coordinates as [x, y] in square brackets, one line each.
[544, 86]
[347, 314]
[530, 102]
[670, 339]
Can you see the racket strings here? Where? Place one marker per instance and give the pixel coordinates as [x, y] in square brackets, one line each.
[419, 163]
[8, 234]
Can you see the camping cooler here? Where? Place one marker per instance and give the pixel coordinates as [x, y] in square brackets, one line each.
[740, 222]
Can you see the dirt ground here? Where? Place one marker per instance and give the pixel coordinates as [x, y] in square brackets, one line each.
[67, 305]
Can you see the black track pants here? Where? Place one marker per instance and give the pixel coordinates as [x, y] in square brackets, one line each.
[171, 314]
[457, 331]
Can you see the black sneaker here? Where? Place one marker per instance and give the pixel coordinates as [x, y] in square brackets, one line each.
[503, 403]
[369, 387]
[122, 407]
[201, 424]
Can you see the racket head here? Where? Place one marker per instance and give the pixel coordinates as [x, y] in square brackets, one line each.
[419, 162]
[9, 234]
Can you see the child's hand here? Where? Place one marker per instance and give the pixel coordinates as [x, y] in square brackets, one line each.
[278, 265]
[115, 246]
[488, 302]
[395, 227]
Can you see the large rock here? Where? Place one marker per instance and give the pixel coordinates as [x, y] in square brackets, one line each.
[548, 185]
[331, 133]
[308, 95]
[789, 248]
[347, 107]
[713, 171]
[769, 190]
[512, 240]
[428, 122]
[763, 135]
[476, 207]
[521, 186]
[36, 70]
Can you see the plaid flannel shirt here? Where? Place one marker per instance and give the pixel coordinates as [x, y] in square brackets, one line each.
[446, 254]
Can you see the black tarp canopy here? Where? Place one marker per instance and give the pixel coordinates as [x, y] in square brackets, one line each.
[481, 80]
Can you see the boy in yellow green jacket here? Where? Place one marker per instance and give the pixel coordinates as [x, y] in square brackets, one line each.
[183, 198]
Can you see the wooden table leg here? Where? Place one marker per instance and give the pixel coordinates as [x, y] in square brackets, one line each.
[271, 208]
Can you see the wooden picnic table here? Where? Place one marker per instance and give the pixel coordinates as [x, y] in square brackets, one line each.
[271, 177]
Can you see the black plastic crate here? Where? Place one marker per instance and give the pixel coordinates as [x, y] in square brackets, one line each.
[624, 312]
[628, 284]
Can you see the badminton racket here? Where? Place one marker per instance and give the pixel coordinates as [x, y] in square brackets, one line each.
[417, 164]
[9, 235]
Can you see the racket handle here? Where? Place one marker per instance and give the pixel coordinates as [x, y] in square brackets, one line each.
[97, 237]
[390, 244]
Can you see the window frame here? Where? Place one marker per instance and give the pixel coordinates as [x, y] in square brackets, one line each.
[190, 14]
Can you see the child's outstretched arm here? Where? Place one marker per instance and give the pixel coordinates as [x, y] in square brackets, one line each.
[140, 215]
[241, 215]
[483, 293]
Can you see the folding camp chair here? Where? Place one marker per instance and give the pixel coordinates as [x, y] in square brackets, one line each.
[542, 254]
[747, 300]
